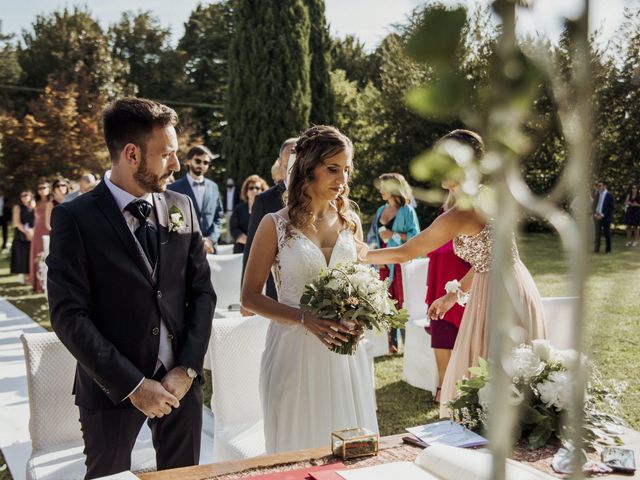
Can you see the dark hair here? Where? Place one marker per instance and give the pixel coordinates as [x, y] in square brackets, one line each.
[131, 120]
[199, 150]
[43, 182]
[58, 182]
[467, 137]
[313, 146]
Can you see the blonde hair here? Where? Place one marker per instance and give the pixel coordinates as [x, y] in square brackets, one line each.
[255, 179]
[275, 171]
[316, 144]
[396, 185]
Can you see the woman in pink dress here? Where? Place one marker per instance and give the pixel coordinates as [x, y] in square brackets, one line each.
[43, 198]
[444, 266]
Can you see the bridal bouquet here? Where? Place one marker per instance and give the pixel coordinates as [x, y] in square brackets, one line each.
[541, 388]
[352, 294]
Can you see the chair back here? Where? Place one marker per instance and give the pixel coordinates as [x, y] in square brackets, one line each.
[226, 277]
[557, 318]
[224, 249]
[51, 369]
[235, 350]
[414, 286]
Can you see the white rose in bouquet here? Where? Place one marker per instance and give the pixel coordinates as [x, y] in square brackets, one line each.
[542, 348]
[556, 390]
[567, 358]
[525, 363]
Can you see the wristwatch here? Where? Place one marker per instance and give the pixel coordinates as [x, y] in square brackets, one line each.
[191, 373]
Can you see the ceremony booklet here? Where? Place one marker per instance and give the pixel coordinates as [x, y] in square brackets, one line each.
[442, 462]
[449, 433]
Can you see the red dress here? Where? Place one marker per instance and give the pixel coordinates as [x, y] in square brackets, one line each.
[444, 266]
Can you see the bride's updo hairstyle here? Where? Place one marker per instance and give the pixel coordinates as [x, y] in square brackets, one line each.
[312, 148]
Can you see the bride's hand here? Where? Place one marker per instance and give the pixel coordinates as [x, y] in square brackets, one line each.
[441, 306]
[328, 332]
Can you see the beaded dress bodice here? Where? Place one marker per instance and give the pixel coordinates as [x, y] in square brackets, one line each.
[476, 249]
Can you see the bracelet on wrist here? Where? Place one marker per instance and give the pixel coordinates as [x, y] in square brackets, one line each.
[454, 286]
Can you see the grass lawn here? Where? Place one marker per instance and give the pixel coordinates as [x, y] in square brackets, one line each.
[613, 332]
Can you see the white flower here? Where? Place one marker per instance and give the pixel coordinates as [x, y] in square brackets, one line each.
[556, 390]
[483, 396]
[567, 358]
[542, 348]
[525, 364]
[175, 217]
[176, 220]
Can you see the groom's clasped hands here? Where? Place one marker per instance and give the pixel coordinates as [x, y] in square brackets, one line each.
[156, 399]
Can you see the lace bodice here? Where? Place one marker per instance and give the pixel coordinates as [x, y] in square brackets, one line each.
[476, 249]
[299, 260]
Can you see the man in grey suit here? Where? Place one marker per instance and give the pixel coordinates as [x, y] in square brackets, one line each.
[204, 193]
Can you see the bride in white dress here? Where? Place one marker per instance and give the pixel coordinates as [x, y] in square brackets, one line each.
[307, 391]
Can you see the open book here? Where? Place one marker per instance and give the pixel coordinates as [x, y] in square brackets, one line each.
[442, 462]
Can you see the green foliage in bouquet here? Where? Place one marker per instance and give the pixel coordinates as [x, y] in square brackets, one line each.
[352, 294]
[541, 389]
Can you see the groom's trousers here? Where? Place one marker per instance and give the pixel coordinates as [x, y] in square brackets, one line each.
[110, 434]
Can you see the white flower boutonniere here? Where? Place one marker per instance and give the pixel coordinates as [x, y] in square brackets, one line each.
[176, 220]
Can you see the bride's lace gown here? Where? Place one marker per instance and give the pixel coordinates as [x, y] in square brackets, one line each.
[307, 391]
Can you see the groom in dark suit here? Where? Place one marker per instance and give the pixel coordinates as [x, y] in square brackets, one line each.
[603, 205]
[204, 194]
[130, 296]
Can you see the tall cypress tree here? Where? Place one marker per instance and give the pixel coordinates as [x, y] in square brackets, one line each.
[269, 97]
[322, 98]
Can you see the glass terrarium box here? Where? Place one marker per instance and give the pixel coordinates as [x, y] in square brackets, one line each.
[354, 442]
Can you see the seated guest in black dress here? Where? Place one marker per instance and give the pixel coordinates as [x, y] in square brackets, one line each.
[239, 222]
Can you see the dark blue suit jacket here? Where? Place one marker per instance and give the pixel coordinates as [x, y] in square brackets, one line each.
[211, 215]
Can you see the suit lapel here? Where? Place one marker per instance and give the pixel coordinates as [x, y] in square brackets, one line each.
[189, 190]
[109, 208]
[162, 217]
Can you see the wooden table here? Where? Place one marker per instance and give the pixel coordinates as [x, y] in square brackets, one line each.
[392, 449]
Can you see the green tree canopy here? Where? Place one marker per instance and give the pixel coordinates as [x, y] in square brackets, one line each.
[319, 75]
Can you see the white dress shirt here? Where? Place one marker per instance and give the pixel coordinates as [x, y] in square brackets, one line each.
[124, 198]
[231, 191]
[601, 201]
[198, 189]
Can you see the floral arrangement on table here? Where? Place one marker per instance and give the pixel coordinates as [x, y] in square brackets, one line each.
[352, 294]
[541, 388]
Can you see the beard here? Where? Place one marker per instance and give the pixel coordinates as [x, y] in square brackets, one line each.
[150, 182]
[196, 170]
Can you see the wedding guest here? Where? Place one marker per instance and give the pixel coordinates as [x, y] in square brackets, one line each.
[276, 172]
[444, 266]
[472, 237]
[394, 223]
[603, 205]
[231, 199]
[204, 194]
[59, 190]
[268, 202]
[86, 183]
[131, 300]
[43, 202]
[239, 222]
[23, 220]
[5, 218]
[632, 215]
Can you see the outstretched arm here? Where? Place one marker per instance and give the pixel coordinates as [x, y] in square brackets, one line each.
[442, 305]
[447, 226]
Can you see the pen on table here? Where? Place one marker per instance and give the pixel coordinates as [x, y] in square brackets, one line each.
[414, 441]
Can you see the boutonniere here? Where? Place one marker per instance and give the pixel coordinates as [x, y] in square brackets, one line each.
[176, 220]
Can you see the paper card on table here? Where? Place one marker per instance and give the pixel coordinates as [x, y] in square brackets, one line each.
[120, 476]
[447, 432]
[325, 475]
[395, 470]
[299, 474]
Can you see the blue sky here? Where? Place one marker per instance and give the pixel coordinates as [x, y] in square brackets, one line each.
[370, 20]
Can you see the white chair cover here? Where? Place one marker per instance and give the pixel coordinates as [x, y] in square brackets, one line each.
[235, 350]
[54, 426]
[224, 249]
[557, 318]
[419, 367]
[379, 343]
[226, 276]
